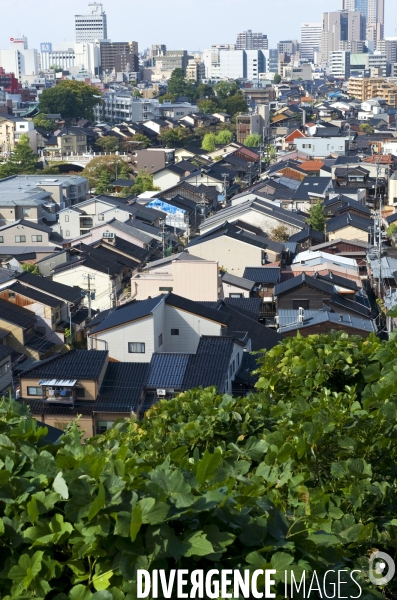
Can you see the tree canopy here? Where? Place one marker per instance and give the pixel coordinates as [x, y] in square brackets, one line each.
[72, 99]
[108, 143]
[317, 217]
[298, 477]
[98, 164]
[40, 120]
[21, 160]
[253, 140]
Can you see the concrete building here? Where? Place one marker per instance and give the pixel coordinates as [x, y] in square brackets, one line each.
[316, 147]
[19, 59]
[111, 50]
[288, 47]
[339, 64]
[374, 87]
[172, 59]
[310, 40]
[93, 26]
[374, 13]
[11, 129]
[158, 50]
[183, 274]
[303, 71]
[247, 40]
[242, 64]
[271, 57]
[85, 55]
[117, 107]
[211, 59]
[340, 26]
[253, 123]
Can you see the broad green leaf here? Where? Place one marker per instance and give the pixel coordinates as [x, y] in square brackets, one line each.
[281, 560]
[102, 581]
[207, 466]
[153, 512]
[198, 545]
[136, 522]
[80, 592]
[59, 485]
[98, 503]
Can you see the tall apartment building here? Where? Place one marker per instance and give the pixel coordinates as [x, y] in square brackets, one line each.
[19, 59]
[242, 64]
[288, 47]
[109, 51]
[173, 59]
[158, 50]
[363, 88]
[339, 64]
[211, 59]
[91, 27]
[338, 27]
[271, 56]
[310, 39]
[247, 40]
[389, 48]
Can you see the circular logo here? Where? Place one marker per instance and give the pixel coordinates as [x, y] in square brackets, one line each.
[381, 568]
[11, 39]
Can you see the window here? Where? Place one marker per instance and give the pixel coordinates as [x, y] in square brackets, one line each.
[26, 212]
[165, 289]
[11, 295]
[103, 426]
[66, 218]
[1, 239]
[174, 331]
[101, 217]
[67, 233]
[61, 424]
[80, 392]
[160, 340]
[136, 348]
[296, 304]
[4, 369]
[37, 238]
[35, 391]
[235, 295]
[20, 238]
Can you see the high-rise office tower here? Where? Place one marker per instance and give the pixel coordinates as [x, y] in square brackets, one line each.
[251, 41]
[338, 27]
[310, 39]
[91, 27]
[373, 11]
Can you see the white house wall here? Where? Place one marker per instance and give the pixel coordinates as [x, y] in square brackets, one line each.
[232, 255]
[191, 328]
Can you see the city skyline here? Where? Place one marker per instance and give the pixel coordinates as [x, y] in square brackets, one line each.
[120, 28]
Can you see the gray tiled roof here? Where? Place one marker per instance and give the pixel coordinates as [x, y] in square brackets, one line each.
[128, 312]
[196, 308]
[263, 274]
[317, 317]
[17, 315]
[65, 292]
[241, 282]
[75, 364]
[294, 282]
[348, 220]
[122, 387]
[34, 294]
[167, 370]
[209, 366]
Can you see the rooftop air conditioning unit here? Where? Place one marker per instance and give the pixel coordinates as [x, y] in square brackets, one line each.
[161, 392]
[301, 315]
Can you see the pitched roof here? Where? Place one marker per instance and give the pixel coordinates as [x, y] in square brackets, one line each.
[240, 282]
[312, 186]
[185, 255]
[167, 370]
[17, 315]
[75, 364]
[235, 232]
[307, 233]
[301, 279]
[210, 365]
[196, 308]
[339, 281]
[53, 433]
[68, 293]
[263, 274]
[348, 220]
[127, 313]
[34, 294]
[122, 387]
[5, 351]
[318, 317]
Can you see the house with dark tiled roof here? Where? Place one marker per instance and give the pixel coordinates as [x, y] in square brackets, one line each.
[170, 323]
[312, 322]
[349, 226]
[235, 246]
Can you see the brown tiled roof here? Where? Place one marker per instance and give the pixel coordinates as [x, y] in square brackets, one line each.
[311, 165]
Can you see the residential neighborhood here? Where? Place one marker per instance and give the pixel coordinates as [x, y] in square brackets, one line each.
[198, 207]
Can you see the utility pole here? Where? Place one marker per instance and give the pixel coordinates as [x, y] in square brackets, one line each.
[380, 247]
[88, 277]
[162, 224]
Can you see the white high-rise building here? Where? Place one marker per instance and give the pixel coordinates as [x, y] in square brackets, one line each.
[19, 59]
[93, 26]
[310, 39]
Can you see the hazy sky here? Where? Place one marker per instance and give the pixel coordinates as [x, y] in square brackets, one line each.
[180, 24]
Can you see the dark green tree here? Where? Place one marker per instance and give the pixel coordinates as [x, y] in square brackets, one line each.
[108, 143]
[174, 137]
[225, 89]
[277, 78]
[72, 99]
[143, 183]
[124, 172]
[235, 104]
[207, 106]
[177, 84]
[316, 217]
[21, 160]
[143, 139]
[41, 121]
[204, 90]
[103, 182]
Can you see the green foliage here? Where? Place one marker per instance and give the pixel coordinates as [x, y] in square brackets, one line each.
[253, 140]
[207, 106]
[167, 96]
[224, 137]
[143, 183]
[21, 160]
[367, 128]
[204, 90]
[392, 229]
[178, 136]
[31, 268]
[103, 182]
[317, 216]
[177, 84]
[72, 99]
[143, 139]
[277, 79]
[298, 476]
[108, 143]
[225, 89]
[209, 142]
[41, 121]
[124, 172]
[99, 164]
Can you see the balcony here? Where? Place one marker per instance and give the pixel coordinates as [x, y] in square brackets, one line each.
[60, 391]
